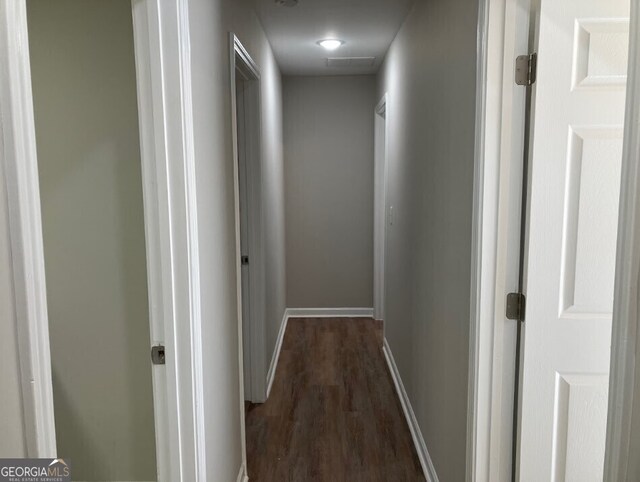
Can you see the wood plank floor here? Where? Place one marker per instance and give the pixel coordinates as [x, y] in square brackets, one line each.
[333, 413]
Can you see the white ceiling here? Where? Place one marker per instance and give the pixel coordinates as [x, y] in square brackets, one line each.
[367, 27]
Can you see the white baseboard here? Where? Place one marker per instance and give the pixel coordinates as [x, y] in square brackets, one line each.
[242, 475]
[276, 353]
[416, 434]
[330, 312]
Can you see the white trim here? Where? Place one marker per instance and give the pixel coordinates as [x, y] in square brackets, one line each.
[254, 326]
[247, 64]
[273, 366]
[503, 33]
[624, 399]
[416, 434]
[154, 248]
[25, 226]
[330, 312]
[474, 381]
[242, 475]
[380, 208]
[192, 252]
[238, 251]
[163, 69]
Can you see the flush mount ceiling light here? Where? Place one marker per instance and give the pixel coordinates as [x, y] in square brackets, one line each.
[330, 43]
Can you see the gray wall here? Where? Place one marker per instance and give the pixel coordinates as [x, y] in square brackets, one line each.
[273, 195]
[429, 74]
[242, 20]
[328, 138]
[12, 440]
[84, 88]
[210, 22]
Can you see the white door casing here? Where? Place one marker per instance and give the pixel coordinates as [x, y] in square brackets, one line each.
[500, 127]
[18, 154]
[249, 221]
[578, 111]
[379, 209]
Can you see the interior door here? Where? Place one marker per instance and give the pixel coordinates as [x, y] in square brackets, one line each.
[578, 111]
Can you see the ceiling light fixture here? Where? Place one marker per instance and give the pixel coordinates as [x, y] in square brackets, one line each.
[330, 43]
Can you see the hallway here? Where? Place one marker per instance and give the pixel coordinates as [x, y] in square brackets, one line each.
[249, 187]
[333, 413]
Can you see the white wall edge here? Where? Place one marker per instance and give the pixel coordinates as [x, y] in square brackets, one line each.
[416, 434]
[273, 366]
[329, 312]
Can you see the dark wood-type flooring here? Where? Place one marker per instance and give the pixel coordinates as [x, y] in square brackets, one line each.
[333, 413]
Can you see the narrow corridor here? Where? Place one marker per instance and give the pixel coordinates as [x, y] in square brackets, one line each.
[333, 413]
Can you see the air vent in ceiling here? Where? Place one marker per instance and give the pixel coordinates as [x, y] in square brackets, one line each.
[342, 62]
[287, 3]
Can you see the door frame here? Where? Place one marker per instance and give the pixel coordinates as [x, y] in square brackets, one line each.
[502, 28]
[23, 200]
[503, 34]
[163, 77]
[624, 397]
[254, 327]
[380, 207]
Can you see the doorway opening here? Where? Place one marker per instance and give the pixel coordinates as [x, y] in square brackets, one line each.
[84, 90]
[249, 221]
[168, 198]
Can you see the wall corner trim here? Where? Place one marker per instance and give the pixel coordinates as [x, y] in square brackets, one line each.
[416, 434]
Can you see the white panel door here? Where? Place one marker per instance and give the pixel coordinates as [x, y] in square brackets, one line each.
[578, 114]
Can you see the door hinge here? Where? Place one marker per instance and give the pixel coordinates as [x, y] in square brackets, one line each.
[526, 69]
[157, 355]
[515, 306]
[244, 260]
